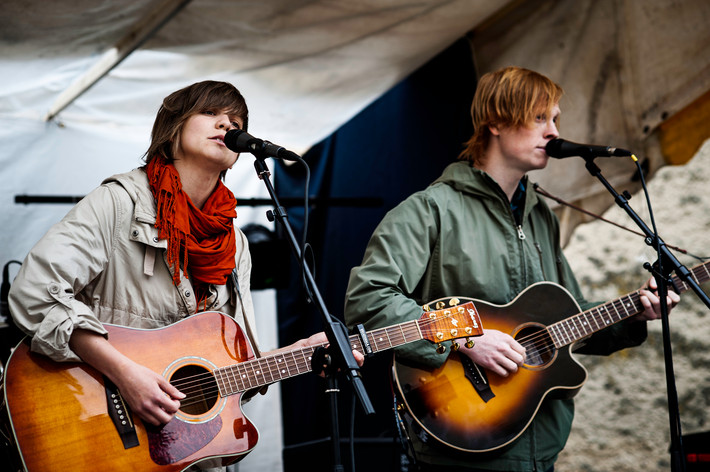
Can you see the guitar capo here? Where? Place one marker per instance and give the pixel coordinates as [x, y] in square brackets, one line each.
[362, 334]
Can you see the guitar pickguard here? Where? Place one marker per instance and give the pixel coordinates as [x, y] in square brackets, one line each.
[169, 444]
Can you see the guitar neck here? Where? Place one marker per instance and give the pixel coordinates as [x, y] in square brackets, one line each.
[269, 369]
[595, 319]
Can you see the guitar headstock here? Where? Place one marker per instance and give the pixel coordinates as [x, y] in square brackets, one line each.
[450, 320]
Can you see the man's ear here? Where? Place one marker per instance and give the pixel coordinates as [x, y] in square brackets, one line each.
[494, 130]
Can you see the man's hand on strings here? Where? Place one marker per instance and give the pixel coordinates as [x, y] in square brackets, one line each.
[496, 351]
[652, 304]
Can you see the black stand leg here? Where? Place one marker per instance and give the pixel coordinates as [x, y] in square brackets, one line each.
[339, 356]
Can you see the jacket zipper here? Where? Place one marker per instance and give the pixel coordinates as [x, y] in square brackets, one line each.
[521, 235]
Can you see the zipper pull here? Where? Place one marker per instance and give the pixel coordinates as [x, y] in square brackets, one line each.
[521, 235]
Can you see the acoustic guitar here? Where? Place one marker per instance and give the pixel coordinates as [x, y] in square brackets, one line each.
[67, 416]
[470, 409]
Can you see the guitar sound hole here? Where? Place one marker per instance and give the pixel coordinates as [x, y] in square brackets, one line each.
[539, 348]
[200, 387]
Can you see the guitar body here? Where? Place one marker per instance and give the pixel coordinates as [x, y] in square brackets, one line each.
[445, 402]
[59, 416]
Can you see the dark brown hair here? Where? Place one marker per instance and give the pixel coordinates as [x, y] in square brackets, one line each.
[180, 105]
[508, 97]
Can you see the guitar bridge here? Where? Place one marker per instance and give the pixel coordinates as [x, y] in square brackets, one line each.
[477, 376]
[120, 415]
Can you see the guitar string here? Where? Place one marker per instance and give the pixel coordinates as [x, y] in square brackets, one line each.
[206, 383]
[536, 341]
[541, 340]
[700, 274]
[210, 376]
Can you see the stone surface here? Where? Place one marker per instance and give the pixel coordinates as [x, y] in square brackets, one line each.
[622, 420]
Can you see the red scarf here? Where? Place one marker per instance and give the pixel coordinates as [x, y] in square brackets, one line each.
[205, 237]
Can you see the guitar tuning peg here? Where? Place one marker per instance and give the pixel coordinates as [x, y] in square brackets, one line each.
[469, 343]
[440, 348]
[454, 346]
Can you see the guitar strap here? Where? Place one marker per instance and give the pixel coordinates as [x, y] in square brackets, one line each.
[247, 325]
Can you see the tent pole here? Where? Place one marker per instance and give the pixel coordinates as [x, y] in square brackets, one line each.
[137, 35]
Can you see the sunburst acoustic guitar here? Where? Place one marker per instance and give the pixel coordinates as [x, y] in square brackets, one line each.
[67, 416]
[463, 406]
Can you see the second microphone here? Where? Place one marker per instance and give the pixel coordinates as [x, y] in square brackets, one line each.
[238, 140]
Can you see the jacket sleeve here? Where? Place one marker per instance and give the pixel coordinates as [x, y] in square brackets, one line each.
[67, 258]
[381, 291]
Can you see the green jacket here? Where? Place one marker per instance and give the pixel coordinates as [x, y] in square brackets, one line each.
[459, 237]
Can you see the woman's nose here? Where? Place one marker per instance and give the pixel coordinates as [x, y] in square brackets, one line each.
[223, 122]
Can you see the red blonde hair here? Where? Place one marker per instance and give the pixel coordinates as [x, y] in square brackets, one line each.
[508, 97]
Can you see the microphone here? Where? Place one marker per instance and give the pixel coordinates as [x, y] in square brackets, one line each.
[559, 149]
[238, 140]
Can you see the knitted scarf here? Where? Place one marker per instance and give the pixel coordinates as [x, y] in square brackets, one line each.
[205, 238]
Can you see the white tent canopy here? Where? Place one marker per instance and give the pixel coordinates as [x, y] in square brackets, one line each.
[636, 75]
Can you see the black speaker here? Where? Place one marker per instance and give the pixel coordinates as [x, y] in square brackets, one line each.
[371, 454]
[696, 447]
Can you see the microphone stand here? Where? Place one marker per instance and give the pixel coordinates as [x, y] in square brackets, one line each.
[343, 358]
[660, 270]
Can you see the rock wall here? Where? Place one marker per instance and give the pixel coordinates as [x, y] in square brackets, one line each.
[622, 421]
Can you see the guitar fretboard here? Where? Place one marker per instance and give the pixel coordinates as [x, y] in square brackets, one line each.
[579, 326]
[269, 369]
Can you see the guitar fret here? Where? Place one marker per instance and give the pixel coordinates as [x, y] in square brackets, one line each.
[244, 376]
[584, 322]
[256, 371]
[604, 314]
[281, 367]
[389, 341]
[573, 331]
[402, 335]
[270, 365]
[623, 305]
[301, 362]
[579, 326]
[219, 378]
[373, 341]
[263, 367]
[610, 315]
[414, 333]
[231, 379]
[418, 329]
[569, 330]
[306, 361]
[555, 327]
[356, 344]
[378, 340]
[563, 329]
[249, 373]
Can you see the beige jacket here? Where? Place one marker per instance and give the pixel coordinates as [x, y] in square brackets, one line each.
[104, 263]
